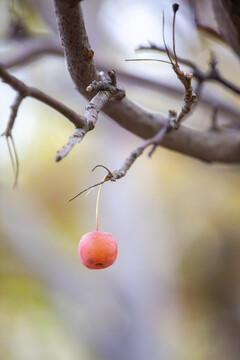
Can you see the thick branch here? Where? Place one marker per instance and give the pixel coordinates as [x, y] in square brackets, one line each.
[77, 51]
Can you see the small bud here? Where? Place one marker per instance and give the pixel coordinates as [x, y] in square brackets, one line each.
[89, 88]
[189, 76]
[175, 7]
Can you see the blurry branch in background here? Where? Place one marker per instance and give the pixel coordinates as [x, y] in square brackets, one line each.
[200, 26]
[214, 126]
[224, 15]
[30, 49]
[212, 74]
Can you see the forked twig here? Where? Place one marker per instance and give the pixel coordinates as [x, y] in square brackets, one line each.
[108, 177]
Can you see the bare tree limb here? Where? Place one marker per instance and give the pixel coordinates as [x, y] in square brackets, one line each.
[207, 146]
[25, 90]
[83, 124]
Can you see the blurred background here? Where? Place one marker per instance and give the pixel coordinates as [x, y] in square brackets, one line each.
[174, 290]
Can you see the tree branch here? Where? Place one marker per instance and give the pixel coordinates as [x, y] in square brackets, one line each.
[25, 90]
[208, 146]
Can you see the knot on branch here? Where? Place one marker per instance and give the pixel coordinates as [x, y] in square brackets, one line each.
[109, 85]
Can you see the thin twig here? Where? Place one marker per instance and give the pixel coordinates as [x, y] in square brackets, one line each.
[118, 174]
[89, 188]
[10, 153]
[164, 41]
[16, 162]
[175, 9]
[164, 61]
[8, 134]
[155, 140]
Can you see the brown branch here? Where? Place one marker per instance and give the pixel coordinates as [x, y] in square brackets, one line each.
[77, 51]
[90, 116]
[155, 140]
[189, 98]
[25, 90]
[83, 124]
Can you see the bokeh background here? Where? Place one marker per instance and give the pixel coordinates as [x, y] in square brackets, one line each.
[174, 290]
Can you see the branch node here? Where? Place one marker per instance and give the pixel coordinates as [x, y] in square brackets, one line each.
[109, 85]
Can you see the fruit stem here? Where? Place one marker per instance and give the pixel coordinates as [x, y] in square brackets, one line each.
[98, 196]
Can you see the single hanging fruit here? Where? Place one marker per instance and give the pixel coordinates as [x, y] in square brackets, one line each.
[97, 249]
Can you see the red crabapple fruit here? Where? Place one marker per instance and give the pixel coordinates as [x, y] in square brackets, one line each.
[97, 250]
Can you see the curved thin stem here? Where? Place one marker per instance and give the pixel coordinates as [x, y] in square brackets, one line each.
[10, 153]
[175, 9]
[16, 162]
[98, 196]
[164, 61]
[164, 41]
